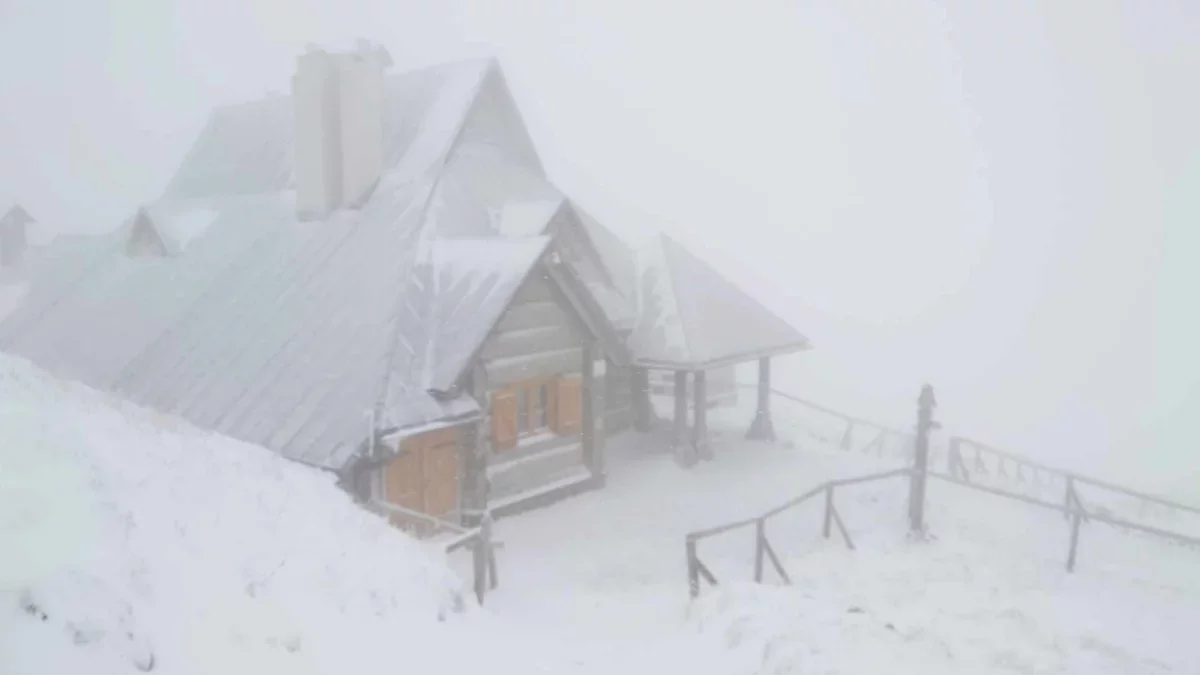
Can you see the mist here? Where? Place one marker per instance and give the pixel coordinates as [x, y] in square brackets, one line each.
[999, 200]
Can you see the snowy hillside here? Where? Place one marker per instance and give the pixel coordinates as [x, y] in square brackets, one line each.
[133, 543]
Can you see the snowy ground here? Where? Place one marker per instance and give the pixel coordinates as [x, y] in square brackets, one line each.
[987, 593]
[134, 543]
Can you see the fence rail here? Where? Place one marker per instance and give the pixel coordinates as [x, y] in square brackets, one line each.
[763, 550]
[1072, 508]
[478, 539]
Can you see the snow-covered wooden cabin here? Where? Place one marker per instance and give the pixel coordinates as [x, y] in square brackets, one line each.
[374, 276]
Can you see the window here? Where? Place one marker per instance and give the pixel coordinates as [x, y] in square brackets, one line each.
[531, 408]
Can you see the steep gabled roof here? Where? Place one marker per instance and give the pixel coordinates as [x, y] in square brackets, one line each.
[284, 333]
[692, 317]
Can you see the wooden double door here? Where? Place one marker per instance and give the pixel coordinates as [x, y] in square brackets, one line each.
[425, 477]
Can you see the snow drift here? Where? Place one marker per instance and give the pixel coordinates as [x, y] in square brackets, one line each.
[134, 543]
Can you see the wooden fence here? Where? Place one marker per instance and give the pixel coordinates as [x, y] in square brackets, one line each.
[958, 469]
[478, 539]
[697, 570]
[882, 439]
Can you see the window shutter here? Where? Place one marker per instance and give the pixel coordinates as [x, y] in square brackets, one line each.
[570, 406]
[552, 405]
[504, 419]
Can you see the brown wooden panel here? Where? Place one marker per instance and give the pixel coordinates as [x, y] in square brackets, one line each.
[569, 419]
[402, 482]
[504, 419]
[441, 478]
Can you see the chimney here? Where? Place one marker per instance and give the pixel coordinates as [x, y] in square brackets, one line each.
[339, 127]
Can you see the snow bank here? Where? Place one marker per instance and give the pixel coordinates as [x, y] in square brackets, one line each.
[134, 543]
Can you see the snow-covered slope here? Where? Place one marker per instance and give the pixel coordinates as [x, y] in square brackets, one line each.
[131, 543]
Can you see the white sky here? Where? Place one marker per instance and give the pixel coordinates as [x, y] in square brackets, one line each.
[1000, 198]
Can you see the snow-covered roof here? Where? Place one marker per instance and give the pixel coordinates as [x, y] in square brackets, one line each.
[218, 304]
[690, 316]
[288, 333]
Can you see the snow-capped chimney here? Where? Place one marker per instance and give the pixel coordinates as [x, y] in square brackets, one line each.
[317, 155]
[339, 127]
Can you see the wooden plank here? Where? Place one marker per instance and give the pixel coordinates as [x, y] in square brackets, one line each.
[535, 289]
[441, 478]
[504, 420]
[525, 341]
[530, 315]
[508, 371]
[569, 417]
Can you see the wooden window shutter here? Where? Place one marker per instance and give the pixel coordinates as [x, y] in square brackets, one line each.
[570, 406]
[504, 419]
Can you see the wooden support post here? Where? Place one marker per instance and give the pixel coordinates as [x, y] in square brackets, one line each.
[848, 435]
[1069, 497]
[1076, 519]
[693, 568]
[700, 440]
[473, 455]
[592, 427]
[679, 437]
[760, 539]
[479, 564]
[643, 411]
[827, 529]
[762, 429]
[926, 403]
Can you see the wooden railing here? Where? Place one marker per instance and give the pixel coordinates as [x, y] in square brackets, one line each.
[478, 539]
[763, 550]
[971, 461]
[880, 436]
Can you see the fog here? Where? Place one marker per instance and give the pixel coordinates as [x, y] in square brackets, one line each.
[999, 199]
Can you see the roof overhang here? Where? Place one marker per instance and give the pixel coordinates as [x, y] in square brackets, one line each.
[732, 359]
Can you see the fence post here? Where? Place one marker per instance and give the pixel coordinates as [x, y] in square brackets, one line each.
[926, 403]
[479, 554]
[828, 511]
[693, 568]
[1068, 497]
[1076, 518]
[848, 435]
[760, 537]
[490, 547]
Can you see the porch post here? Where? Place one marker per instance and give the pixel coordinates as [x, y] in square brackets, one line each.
[593, 414]
[473, 497]
[700, 428]
[761, 429]
[643, 412]
[679, 436]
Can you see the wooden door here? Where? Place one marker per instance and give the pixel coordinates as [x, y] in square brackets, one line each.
[424, 478]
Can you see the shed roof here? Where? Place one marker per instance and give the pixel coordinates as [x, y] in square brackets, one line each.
[692, 317]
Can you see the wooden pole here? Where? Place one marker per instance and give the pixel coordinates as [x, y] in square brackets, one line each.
[762, 429]
[1076, 519]
[679, 438]
[926, 403]
[1068, 501]
[700, 441]
[693, 567]
[760, 538]
[828, 511]
[591, 432]
[643, 411]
